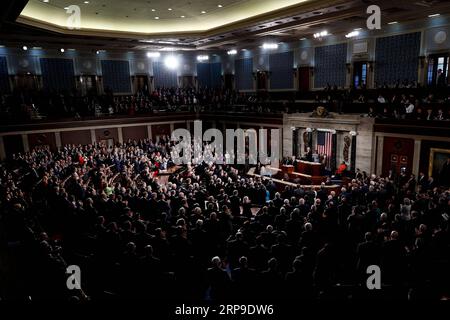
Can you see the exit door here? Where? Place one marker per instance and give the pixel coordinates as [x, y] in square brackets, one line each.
[88, 85]
[438, 70]
[359, 74]
[303, 79]
[261, 80]
[228, 81]
[141, 84]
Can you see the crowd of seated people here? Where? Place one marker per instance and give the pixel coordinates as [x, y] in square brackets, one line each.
[400, 101]
[210, 232]
[26, 105]
[403, 100]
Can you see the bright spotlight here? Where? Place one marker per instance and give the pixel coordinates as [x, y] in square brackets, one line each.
[232, 52]
[171, 62]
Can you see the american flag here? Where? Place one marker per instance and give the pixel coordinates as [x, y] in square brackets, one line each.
[325, 145]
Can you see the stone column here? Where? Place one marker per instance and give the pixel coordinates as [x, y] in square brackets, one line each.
[286, 140]
[58, 140]
[379, 155]
[416, 157]
[26, 146]
[353, 151]
[93, 138]
[149, 132]
[120, 134]
[2, 149]
[333, 162]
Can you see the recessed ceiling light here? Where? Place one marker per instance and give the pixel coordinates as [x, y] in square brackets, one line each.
[86, 2]
[66, 8]
[203, 12]
[182, 17]
[170, 9]
[434, 15]
[46, 1]
[156, 18]
[153, 54]
[153, 10]
[352, 34]
[321, 34]
[62, 50]
[25, 48]
[219, 5]
[202, 58]
[393, 22]
[269, 46]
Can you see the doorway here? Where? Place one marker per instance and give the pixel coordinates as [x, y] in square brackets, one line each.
[261, 80]
[88, 85]
[187, 82]
[141, 84]
[303, 79]
[26, 82]
[437, 70]
[359, 74]
[228, 82]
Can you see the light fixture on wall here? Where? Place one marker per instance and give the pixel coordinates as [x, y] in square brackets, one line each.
[153, 54]
[202, 58]
[321, 34]
[352, 34]
[270, 46]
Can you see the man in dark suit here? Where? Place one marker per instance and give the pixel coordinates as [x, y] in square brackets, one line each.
[393, 259]
[244, 279]
[368, 253]
[422, 180]
[309, 155]
[440, 79]
[218, 280]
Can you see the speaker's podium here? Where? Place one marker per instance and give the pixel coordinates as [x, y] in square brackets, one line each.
[307, 172]
[310, 168]
[287, 168]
